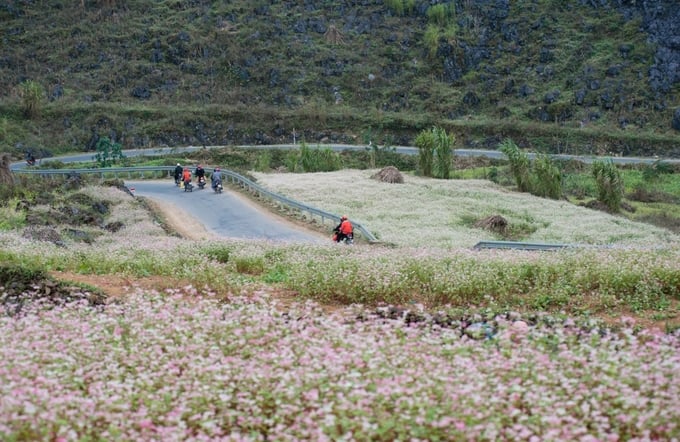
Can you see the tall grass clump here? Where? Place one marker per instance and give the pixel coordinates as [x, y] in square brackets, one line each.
[263, 163]
[546, 179]
[431, 39]
[435, 152]
[32, 94]
[426, 144]
[610, 186]
[443, 152]
[401, 7]
[441, 14]
[308, 160]
[520, 166]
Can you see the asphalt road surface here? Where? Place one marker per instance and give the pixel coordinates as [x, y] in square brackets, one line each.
[227, 214]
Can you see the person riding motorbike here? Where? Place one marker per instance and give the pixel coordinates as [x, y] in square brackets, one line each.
[344, 231]
[200, 172]
[200, 176]
[216, 178]
[178, 174]
[186, 177]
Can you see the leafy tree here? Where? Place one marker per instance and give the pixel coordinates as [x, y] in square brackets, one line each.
[609, 182]
[108, 152]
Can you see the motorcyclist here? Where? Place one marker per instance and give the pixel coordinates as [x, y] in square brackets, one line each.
[216, 178]
[186, 177]
[344, 230]
[199, 172]
[178, 173]
[200, 175]
[30, 159]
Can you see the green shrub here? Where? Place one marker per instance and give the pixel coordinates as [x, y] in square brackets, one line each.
[263, 161]
[651, 172]
[250, 265]
[218, 253]
[108, 152]
[313, 160]
[609, 182]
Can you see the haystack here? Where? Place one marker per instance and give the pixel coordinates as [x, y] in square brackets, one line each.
[389, 174]
[494, 223]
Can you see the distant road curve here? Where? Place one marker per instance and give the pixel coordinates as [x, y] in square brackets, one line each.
[407, 150]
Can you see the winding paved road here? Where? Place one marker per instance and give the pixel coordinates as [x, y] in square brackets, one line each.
[227, 214]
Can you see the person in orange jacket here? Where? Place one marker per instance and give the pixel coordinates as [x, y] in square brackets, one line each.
[344, 231]
[186, 176]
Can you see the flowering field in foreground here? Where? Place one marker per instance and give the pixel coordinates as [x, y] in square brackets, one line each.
[425, 212]
[174, 366]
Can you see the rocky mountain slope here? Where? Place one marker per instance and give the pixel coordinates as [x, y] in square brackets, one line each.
[574, 76]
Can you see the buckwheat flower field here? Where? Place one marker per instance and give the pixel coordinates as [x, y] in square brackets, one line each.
[176, 367]
[223, 357]
[431, 213]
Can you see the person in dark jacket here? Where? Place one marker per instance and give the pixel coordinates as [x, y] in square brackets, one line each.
[178, 174]
[199, 172]
[200, 176]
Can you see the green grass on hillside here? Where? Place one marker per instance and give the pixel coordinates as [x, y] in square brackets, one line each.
[239, 73]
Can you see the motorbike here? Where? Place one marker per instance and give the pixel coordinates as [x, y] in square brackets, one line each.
[348, 240]
[217, 187]
[188, 187]
[201, 182]
[30, 162]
